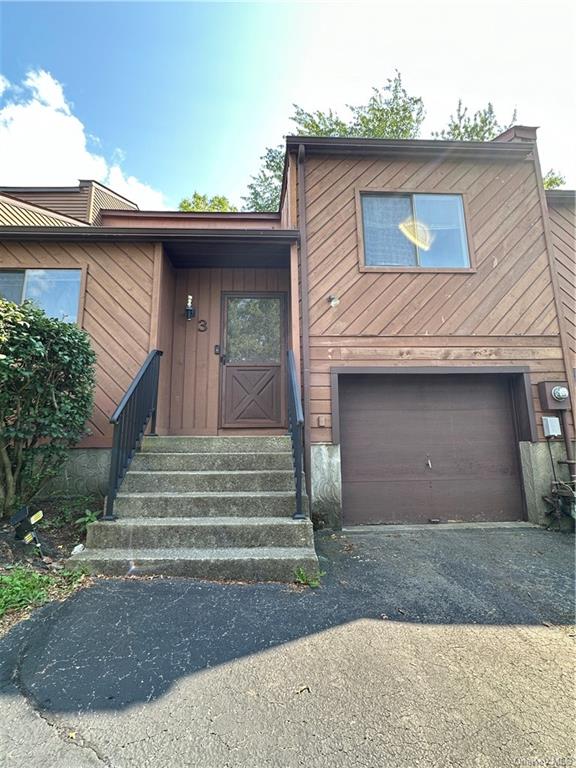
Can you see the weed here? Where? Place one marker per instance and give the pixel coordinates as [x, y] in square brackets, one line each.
[88, 517]
[62, 513]
[311, 580]
[23, 587]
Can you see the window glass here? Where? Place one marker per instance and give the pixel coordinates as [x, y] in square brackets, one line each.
[384, 243]
[11, 284]
[414, 231]
[442, 217]
[253, 330]
[56, 291]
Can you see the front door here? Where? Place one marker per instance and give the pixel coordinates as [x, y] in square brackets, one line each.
[253, 360]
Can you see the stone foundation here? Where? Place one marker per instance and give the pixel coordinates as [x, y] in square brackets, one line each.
[538, 475]
[84, 474]
[326, 486]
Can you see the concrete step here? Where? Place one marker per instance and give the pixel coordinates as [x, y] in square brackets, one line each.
[197, 462]
[240, 564]
[234, 444]
[148, 532]
[174, 482]
[203, 504]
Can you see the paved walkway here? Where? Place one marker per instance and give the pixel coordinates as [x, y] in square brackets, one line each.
[435, 648]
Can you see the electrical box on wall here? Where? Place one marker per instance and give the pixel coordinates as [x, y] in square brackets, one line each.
[551, 426]
[554, 396]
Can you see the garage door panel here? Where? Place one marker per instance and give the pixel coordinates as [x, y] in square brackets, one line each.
[445, 441]
[477, 499]
[382, 503]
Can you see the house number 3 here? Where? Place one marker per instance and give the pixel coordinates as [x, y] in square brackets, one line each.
[202, 326]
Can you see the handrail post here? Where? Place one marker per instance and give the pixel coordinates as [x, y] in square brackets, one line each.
[155, 397]
[113, 475]
[296, 423]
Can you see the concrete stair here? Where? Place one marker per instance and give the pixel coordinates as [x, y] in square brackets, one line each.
[206, 507]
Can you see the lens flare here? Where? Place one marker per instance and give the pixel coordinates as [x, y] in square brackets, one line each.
[417, 232]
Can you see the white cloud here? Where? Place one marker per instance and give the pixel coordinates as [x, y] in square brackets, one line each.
[42, 143]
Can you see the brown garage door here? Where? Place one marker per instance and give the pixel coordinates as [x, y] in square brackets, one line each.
[422, 447]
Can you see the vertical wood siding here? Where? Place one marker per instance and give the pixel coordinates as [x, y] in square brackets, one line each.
[504, 313]
[563, 229]
[116, 311]
[195, 368]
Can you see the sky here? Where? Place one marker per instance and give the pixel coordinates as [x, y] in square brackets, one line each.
[159, 99]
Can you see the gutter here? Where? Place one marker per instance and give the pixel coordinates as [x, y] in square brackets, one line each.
[412, 148]
[150, 234]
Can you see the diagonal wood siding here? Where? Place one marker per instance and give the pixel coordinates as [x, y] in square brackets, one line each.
[503, 313]
[195, 388]
[563, 229]
[116, 311]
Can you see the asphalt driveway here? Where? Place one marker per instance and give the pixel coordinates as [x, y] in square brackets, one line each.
[431, 648]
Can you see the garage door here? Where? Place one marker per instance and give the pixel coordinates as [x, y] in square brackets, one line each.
[417, 448]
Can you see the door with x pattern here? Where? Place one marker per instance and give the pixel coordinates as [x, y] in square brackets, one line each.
[253, 360]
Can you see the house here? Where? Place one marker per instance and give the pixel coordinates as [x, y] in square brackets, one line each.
[414, 297]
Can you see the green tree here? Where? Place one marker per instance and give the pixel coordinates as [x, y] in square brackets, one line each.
[46, 397]
[552, 179]
[481, 126]
[391, 113]
[202, 203]
[264, 189]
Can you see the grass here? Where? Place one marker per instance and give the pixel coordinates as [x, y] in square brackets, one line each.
[24, 587]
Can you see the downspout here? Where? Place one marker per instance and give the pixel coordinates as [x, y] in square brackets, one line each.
[305, 311]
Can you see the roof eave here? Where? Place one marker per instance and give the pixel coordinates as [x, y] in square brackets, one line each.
[150, 234]
[415, 148]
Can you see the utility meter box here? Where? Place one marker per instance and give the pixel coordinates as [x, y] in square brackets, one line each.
[551, 426]
[554, 396]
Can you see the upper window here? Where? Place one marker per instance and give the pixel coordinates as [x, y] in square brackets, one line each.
[425, 231]
[56, 291]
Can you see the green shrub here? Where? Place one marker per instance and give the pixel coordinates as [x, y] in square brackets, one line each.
[46, 397]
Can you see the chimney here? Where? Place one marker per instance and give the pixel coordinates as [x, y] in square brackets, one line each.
[518, 133]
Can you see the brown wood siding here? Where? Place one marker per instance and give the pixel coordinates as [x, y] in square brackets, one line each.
[563, 230]
[71, 202]
[117, 311]
[14, 213]
[503, 312]
[102, 199]
[175, 220]
[195, 368]
[161, 331]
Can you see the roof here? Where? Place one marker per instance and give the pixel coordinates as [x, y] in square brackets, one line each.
[315, 145]
[561, 196]
[17, 213]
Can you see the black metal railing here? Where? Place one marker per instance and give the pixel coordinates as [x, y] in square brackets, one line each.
[130, 419]
[296, 427]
